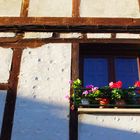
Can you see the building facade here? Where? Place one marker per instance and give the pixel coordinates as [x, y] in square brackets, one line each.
[38, 83]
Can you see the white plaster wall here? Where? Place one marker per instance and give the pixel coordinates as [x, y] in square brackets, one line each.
[10, 7]
[109, 127]
[109, 8]
[50, 8]
[5, 64]
[41, 109]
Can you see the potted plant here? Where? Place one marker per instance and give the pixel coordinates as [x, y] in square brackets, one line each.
[106, 96]
[120, 96]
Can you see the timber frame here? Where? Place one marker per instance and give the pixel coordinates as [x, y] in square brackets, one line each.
[56, 25]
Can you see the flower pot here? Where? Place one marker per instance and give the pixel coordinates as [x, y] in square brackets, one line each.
[104, 102]
[120, 103]
[84, 101]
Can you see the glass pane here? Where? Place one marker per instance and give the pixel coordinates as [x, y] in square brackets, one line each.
[95, 71]
[126, 71]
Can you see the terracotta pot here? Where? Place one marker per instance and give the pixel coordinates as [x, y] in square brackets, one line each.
[103, 102]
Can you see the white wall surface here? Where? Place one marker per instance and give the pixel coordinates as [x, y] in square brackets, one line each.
[109, 8]
[41, 109]
[50, 8]
[109, 127]
[5, 64]
[10, 7]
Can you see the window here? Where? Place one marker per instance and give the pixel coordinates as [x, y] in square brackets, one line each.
[103, 63]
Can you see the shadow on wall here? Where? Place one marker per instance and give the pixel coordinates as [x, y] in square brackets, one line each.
[93, 132]
[36, 120]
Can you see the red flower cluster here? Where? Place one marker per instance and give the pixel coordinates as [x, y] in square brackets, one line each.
[137, 84]
[115, 85]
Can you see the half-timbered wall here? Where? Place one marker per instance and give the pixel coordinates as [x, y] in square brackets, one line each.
[41, 112]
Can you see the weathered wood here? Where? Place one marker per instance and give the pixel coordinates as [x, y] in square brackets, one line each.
[73, 123]
[113, 35]
[76, 8]
[68, 21]
[8, 116]
[69, 24]
[4, 86]
[75, 61]
[24, 8]
[34, 43]
[139, 4]
[15, 39]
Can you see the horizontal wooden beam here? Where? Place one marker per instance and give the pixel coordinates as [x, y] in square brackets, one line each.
[34, 43]
[69, 24]
[68, 21]
[4, 86]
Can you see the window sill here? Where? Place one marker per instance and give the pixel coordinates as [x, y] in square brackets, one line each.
[108, 111]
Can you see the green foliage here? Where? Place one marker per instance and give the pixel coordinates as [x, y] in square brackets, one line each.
[94, 94]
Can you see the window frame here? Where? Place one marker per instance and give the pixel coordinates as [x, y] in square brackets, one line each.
[108, 51]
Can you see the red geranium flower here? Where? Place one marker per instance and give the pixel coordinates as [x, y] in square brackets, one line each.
[137, 84]
[115, 85]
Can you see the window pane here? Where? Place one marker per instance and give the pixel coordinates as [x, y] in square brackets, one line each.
[126, 70]
[95, 71]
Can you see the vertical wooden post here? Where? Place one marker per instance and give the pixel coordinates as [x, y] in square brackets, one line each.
[24, 8]
[113, 35]
[75, 8]
[139, 4]
[8, 117]
[73, 123]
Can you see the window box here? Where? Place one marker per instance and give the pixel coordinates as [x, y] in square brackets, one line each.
[111, 96]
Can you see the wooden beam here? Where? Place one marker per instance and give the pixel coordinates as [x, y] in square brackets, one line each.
[76, 8]
[4, 86]
[34, 43]
[73, 122]
[69, 24]
[67, 21]
[24, 8]
[139, 4]
[15, 39]
[8, 116]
